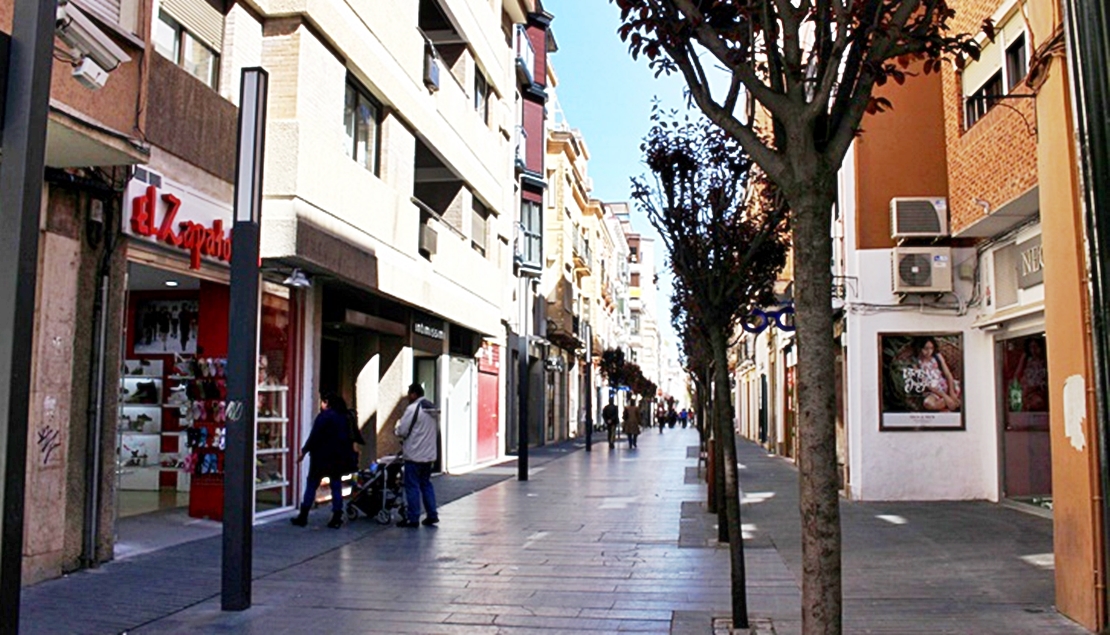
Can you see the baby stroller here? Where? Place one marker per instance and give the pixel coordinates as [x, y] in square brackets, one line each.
[378, 491]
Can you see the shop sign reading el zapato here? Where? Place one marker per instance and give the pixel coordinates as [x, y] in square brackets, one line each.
[177, 217]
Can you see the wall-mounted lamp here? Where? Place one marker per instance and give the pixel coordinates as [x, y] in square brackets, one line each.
[298, 280]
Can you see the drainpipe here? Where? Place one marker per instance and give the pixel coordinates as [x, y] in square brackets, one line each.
[1088, 29]
[97, 374]
[95, 412]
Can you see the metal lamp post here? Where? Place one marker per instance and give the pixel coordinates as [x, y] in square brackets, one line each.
[242, 353]
[589, 386]
[24, 136]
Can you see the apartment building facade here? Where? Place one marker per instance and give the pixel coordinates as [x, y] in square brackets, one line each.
[395, 216]
[525, 315]
[585, 281]
[963, 312]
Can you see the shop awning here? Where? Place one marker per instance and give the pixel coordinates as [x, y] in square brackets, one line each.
[72, 142]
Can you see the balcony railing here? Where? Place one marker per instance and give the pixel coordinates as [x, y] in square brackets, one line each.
[525, 55]
[582, 251]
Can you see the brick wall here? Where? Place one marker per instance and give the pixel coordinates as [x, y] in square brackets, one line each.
[995, 160]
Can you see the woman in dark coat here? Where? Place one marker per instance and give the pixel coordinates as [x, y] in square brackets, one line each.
[329, 443]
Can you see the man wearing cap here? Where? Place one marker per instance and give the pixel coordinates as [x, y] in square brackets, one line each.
[417, 431]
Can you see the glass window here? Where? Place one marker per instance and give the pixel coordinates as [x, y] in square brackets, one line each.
[1017, 63]
[981, 101]
[176, 44]
[479, 228]
[481, 96]
[362, 122]
[165, 36]
[275, 422]
[531, 248]
[199, 60]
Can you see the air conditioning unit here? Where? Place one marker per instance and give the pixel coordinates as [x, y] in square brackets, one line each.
[918, 217]
[431, 70]
[428, 238]
[921, 269]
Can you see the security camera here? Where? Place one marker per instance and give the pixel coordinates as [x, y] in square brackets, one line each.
[78, 31]
[89, 74]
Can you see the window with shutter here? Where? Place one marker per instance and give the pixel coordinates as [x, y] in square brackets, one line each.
[200, 19]
[106, 9]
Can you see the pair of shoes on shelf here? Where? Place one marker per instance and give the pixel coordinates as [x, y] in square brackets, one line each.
[430, 521]
[408, 524]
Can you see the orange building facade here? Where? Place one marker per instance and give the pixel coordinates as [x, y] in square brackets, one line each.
[998, 285]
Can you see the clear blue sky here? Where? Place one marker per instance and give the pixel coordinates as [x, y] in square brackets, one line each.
[608, 95]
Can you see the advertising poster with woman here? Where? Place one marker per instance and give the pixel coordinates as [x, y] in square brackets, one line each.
[922, 381]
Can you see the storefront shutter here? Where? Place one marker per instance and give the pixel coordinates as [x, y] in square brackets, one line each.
[199, 18]
[106, 9]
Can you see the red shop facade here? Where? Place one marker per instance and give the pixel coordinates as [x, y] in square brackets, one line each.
[172, 417]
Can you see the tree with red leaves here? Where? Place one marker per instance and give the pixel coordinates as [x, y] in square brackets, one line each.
[809, 68]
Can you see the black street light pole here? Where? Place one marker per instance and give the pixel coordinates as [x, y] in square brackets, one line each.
[27, 102]
[242, 350]
[589, 386]
[527, 300]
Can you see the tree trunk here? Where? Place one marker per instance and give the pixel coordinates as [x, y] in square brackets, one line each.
[819, 496]
[726, 440]
[719, 463]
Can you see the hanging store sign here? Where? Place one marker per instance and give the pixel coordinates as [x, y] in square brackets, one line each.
[489, 358]
[428, 333]
[179, 218]
[1030, 263]
[427, 330]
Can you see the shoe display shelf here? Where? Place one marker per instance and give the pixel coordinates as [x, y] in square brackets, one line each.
[272, 462]
[146, 449]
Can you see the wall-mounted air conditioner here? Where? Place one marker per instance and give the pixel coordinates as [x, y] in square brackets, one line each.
[921, 269]
[431, 69]
[918, 217]
[428, 238]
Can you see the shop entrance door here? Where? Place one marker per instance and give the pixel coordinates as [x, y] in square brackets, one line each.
[460, 414]
[789, 414]
[488, 398]
[1026, 449]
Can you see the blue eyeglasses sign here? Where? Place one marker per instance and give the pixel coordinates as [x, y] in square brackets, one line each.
[759, 320]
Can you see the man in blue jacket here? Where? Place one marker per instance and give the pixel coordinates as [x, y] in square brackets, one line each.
[417, 431]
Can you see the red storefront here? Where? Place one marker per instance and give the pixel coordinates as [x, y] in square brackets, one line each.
[489, 401]
[172, 417]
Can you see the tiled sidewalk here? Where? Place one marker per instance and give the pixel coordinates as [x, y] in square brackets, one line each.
[601, 542]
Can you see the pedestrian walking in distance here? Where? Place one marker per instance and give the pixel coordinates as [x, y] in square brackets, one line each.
[329, 445]
[417, 431]
[610, 415]
[632, 420]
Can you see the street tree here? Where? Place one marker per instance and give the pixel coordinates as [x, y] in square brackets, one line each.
[613, 370]
[809, 67]
[694, 339]
[726, 250]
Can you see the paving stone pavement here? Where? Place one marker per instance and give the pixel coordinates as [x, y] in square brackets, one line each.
[601, 542]
[968, 567]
